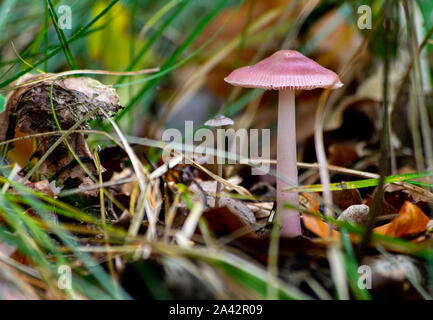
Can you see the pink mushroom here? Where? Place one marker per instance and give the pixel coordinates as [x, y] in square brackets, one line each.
[286, 71]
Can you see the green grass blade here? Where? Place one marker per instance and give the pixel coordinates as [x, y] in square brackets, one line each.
[61, 36]
[27, 195]
[363, 183]
[170, 64]
[2, 103]
[248, 274]
[155, 37]
[46, 40]
[75, 36]
[352, 268]
[421, 184]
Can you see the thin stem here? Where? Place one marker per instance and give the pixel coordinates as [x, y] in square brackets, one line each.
[287, 172]
[218, 187]
[220, 138]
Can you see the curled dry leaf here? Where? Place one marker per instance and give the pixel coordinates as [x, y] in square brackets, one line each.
[261, 209]
[87, 182]
[411, 220]
[223, 221]
[237, 207]
[45, 187]
[396, 192]
[345, 198]
[125, 188]
[391, 203]
[28, 111]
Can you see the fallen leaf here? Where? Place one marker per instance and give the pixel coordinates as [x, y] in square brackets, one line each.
[314, 223]
[346, 198]
[28, 111]
[261, 209]
[223, 221]
[23, 149]
[410, 220]
[125, 188]
[237, 207]
[225, 224]
[387, 208]
[45, 187]
[87, 182]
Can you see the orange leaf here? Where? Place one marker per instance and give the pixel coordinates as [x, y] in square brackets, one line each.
[23, 149]
[317, 226]
[410, 220]
[382, 229]
[314, 223]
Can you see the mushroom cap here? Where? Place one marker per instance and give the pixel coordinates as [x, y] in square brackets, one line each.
[219, 121]
[285, 69]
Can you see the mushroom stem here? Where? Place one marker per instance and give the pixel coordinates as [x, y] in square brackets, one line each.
[218, 122]
[220, 170]
[218, 188]
[286, 163]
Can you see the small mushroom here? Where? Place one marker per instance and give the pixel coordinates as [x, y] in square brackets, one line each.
[219, 121]
[286, 71]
